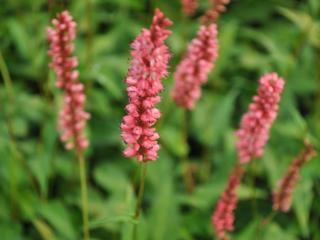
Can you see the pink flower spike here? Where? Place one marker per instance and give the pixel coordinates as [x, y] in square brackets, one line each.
[189, 6]
[212, 15]
[72, 117]
[223, 216]
[282, 198]
[150, 57]
[256, 123]
[192, 72]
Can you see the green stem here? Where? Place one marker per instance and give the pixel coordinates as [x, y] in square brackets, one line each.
[317, 101]
[264, 222]
[143, 172]
[89, 32]
[84, 196]
[187, 171]
[252, 186]
[206, 164]
[8, 121]
[6, 78]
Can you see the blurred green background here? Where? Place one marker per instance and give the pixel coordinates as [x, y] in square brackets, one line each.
[40, 196]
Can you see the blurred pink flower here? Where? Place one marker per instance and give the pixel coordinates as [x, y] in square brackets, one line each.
[72, 117]
[212, 15]
[282, 198]
[149, 63]
[223, 216]
[256, 123]
[192, 72]
[189, 6]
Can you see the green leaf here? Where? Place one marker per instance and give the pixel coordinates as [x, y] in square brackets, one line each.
[300, 19]
[20, 37]
[211, 119]
[227, 38]
[11, 231]
[174, 140]
[271, 164]
[39, 166]
[164, 209]
[119, 219]
[246, 192]
[44, 230]
[59, 217]
[302, 200]
[273, 231]
[111, 178]
[250, 232]
[314, 6]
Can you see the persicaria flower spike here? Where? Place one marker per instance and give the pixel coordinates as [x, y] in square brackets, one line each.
[193, 70]
[282, 198]
[189, 6]
[150, 57]
[256, 123]
[223, 216]
[212, 15]
[72, 117]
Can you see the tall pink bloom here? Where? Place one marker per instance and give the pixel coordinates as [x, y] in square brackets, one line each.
[72, 117]
[149, 63]
[189, 6]
[212, 15]
[256, 123]
[282, 198]
[193, 70]
[223, 216]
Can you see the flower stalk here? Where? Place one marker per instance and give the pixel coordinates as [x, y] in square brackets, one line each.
[72, 117]
[84, 195]
[143, 172]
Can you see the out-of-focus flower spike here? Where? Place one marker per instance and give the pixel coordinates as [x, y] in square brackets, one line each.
[212, 15]
[189, 6]
[282, 197]
[192, 72]
[72, 117]
[223, 217]
[255, 125]
[150, 57]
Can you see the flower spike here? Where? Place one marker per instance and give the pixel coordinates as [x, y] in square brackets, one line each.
[223, 216]
[150, 57]
[256, 123]
[282, 198]
[72, 117]
[192, 72]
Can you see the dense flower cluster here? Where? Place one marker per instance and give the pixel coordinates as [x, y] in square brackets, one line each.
[212, 15]
[223, 216]
[283, 197]
[72, 117]
[193, 70]
[150, 58]
[256, 123]
[189, 6]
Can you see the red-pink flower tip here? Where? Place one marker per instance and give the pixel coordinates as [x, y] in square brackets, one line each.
[72, 117]
[192, 72]
[189, 6]
[212, 15]
[223, 217]
[282, 198]
[150, 57]
[256, 123]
